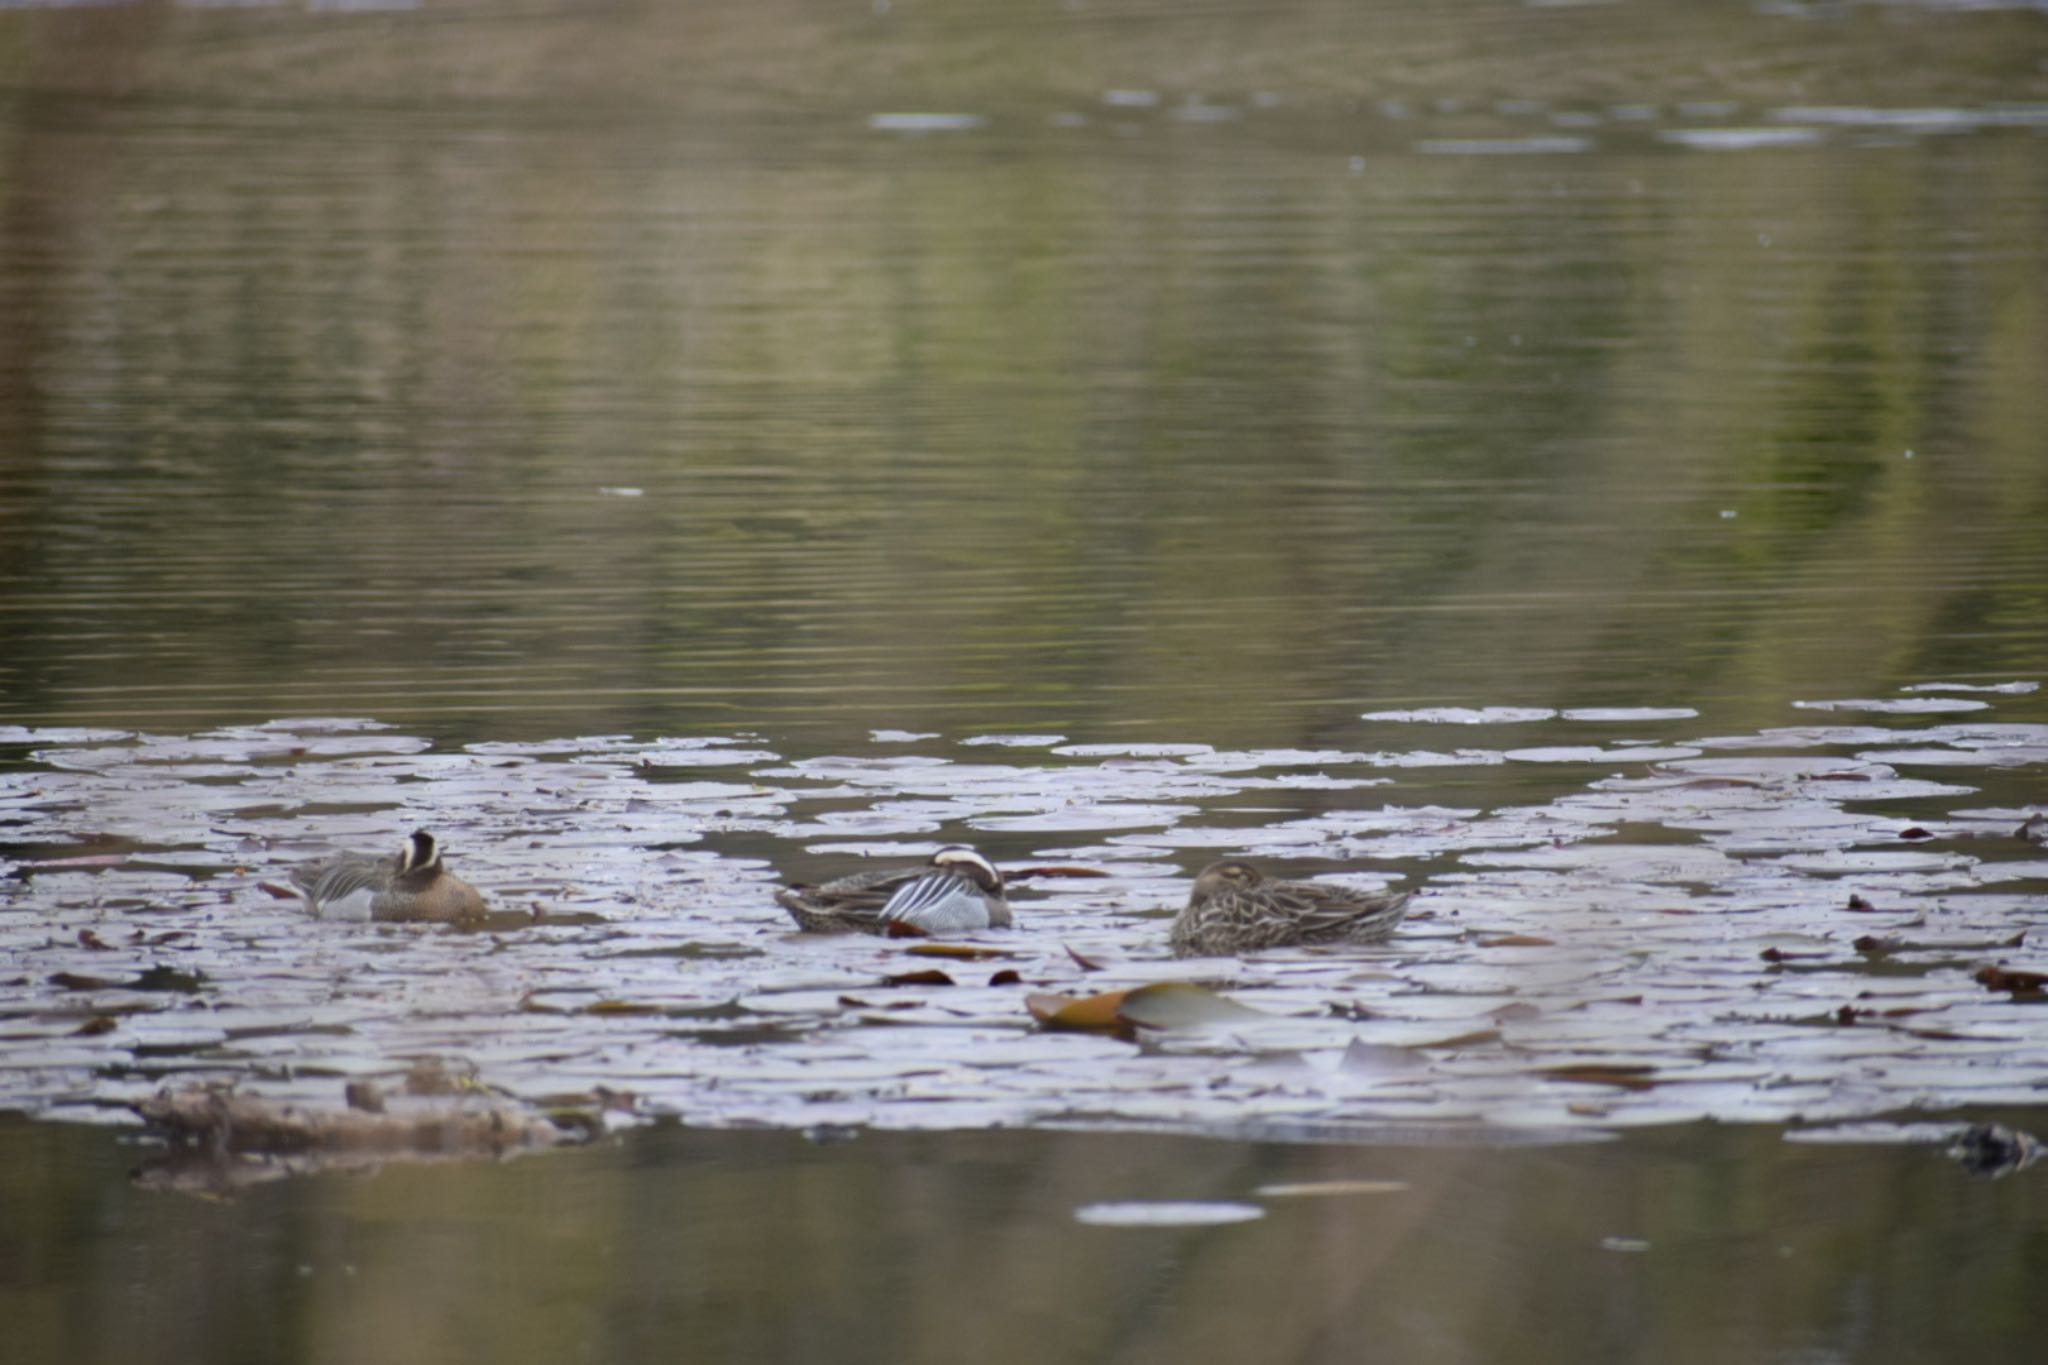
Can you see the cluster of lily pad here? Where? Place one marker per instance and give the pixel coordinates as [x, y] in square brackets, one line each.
[1791, 925]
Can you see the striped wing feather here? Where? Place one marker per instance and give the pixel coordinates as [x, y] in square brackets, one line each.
[938, 902]
[854, 902]
[330, 879]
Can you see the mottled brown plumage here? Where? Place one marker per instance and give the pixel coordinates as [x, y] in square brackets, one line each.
[1235, 908]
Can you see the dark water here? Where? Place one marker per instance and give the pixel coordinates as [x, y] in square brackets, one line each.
[1427, 357]
[1218, 376]
[1697, 1245]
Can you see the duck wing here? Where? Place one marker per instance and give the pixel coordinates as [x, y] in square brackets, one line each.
[325, 882]
[939, 902]
[852, 902]
[1326, 912]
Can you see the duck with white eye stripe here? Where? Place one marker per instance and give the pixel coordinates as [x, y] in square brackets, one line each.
[955, 891]
[411, 884]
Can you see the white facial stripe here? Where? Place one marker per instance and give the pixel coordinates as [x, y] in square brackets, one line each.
[958, 855]
[421, 850]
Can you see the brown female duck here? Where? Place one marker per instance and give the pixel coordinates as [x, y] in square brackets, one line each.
[1235, 908]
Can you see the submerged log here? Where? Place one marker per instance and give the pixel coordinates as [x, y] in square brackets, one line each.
[218, 1121]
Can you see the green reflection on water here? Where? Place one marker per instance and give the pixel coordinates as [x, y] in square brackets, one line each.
[1195, 428]
[895, 1247]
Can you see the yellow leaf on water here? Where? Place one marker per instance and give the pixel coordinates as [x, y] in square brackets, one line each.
[1160, 1005]
[1183, 1004]
[1095, 1013]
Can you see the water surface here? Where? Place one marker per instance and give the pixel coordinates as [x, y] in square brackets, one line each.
[679, 449]
[1216, 378]
[1706, 1245]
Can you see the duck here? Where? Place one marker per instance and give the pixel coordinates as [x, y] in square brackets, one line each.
[1235, 908]
[955, 890]
[411, 884]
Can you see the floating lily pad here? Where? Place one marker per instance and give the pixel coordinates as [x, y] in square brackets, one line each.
[1586, 953]
[1326, 1189]
[1164, 1213]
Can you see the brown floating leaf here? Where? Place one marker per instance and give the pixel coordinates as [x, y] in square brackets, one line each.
[1915, 832]
[98, 1024]
[620, 1007]
[1997, 978]
[1053, 870]
[2034, 830]
[1086, 964]
[1870, 943]
[1093, 1013]
[283, 893]
[1476, 1038]
[930, 976]
[1160, 1005]
[92, 940]
[1783, 955]
[1860, 905]
[959, 952]
[72, 981]
[1006, 977]
[1625, 1076]
[1517, 941]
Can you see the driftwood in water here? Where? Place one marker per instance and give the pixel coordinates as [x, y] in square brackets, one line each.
[220, 1122]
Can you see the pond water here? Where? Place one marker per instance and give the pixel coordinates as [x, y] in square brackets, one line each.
[1584, 462]
[1789, 925]
[1700, 1244]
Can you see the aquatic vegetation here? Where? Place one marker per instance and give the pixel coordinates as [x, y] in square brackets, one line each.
[1820, 922]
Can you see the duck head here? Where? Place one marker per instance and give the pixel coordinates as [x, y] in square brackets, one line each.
[969, 863]
[1230, 874]
[419, 852]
